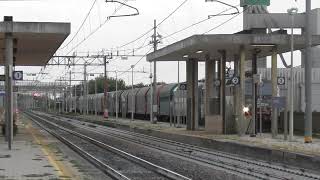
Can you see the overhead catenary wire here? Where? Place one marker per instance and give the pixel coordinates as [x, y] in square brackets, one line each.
[82, 24]
[95, 30]
[137, 61]
[151, 29]
[194, 24]
[167, 17]
[225, 22]
[185, 28]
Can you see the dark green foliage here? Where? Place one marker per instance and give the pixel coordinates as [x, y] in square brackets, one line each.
[100, 85]
[140, 85]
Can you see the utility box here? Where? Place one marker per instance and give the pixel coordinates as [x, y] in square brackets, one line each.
[254, 2]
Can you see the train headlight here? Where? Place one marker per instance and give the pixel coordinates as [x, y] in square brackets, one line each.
[245, 109]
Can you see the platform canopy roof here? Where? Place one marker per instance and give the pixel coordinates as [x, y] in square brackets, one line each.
[198, 46]
[35, 42]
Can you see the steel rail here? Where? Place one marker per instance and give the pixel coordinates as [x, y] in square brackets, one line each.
[96, 162]
[300, 172]
[148, 165]
[187, 154]
[215, 163]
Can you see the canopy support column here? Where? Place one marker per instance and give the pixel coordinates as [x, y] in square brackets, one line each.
[192, 95]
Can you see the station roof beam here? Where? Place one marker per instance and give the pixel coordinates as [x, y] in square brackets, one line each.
[189, 48]
[35, 42]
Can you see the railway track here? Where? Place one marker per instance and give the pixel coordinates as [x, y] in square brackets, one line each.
[114, 162]
[251, 168]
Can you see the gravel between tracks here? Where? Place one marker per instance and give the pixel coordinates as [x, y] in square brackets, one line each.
[126, 167]
[189, 168]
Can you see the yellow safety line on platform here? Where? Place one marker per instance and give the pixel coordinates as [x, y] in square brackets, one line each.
[59, 167]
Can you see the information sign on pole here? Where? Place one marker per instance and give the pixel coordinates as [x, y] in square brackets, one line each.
[183, 87]
[235, 80]
[281, 81]
[18, 75]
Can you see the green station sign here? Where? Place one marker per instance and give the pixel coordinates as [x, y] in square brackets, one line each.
[254, 2]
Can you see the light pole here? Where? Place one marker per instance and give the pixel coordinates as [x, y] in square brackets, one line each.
[85, 88]
[179, 97]
[151, 95]
[132, 105]
[291, 12]
[70, 92]
[75, 99]
[95, 100]
[260, 109]
[117, 106]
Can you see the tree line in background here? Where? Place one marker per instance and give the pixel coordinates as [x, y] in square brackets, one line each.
[111, 85]
[100, 85]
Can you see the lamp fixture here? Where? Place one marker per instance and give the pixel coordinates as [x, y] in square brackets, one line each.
[262, 45]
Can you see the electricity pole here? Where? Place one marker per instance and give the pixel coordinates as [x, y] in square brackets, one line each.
[95, 100]
[60, 98]
[85, 88]
[49, 101]
[151, 95]
[70, 93]
[153, 111]
[54, 98]
[105, 113]
[75, 99]
[117, 104]
[132, 95]
[179, 97]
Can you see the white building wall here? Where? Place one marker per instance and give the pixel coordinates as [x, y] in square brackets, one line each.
[299, 104]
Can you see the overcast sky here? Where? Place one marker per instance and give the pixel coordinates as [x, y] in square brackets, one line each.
[118, 31]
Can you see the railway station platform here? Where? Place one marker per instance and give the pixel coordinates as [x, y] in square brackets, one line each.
[37, 155]
[261, 147]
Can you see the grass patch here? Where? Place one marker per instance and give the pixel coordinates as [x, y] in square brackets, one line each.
[37, 175]
[53, 148]
[75, 164]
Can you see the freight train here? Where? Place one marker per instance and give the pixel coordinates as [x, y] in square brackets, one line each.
[170, 99]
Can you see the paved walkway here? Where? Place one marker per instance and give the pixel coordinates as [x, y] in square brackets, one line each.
[35, 156]
[264, 140]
